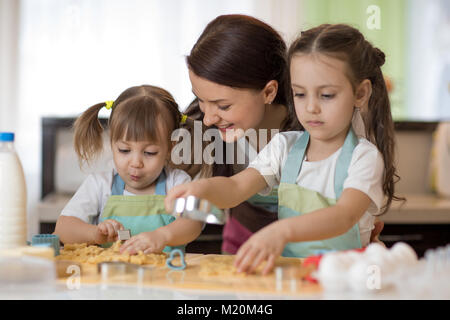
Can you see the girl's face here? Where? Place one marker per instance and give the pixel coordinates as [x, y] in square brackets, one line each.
[139, 164]
[323, 96]
[228, 108]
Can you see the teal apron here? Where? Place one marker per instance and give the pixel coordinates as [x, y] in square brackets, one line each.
[294, 200]
[268, 202]
[141, 213]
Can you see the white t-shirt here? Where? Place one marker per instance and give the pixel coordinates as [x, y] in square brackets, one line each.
[365, 173]
[91, 197]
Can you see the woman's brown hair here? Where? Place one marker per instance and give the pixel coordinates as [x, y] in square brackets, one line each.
[140, 113]
[241, 51]
[364, 61]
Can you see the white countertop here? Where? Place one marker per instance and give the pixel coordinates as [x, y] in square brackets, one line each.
[128, 292]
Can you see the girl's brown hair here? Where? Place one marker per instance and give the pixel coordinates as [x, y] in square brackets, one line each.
[140, 113]
[364, 61]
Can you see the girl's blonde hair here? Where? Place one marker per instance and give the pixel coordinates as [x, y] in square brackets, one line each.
[364, 62]
[140, 113]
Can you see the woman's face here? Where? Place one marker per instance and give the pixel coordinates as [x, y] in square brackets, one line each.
[231, 110]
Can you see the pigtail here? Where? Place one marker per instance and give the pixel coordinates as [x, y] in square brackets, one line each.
[88, 131]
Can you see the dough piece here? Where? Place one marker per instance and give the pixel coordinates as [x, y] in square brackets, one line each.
[223, 266]
[81, 252]
[219, 266]
[74, 246]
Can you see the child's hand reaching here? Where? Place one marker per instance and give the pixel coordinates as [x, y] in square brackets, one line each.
[148, 242]
[106, 231]
[265, 245]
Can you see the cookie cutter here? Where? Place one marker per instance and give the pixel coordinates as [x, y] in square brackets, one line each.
[49, 240]
[117, 270]
[112, 268]
[124, 235]
[195, 208]
[172, 256]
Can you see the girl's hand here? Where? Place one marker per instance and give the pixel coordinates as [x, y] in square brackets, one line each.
[376, 232]
[265, 245]
[196, 188]
[148, 242]
[106, 231]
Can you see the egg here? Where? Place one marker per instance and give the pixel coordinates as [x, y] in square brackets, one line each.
[375, 249]
[364, 276]
[357, 276]
[352, 256]
[403, 254]
[332, 271]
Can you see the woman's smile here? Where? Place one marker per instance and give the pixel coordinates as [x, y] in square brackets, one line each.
[226, 127]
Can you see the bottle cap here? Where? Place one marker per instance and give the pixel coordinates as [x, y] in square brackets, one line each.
[6, 136]
[50, 239]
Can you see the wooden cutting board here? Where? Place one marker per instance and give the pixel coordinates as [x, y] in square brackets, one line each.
[212, 272]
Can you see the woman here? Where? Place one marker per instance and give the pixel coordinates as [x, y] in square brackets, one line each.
[239, 75]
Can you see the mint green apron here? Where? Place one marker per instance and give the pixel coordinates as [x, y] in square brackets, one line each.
[294, 200]
[141, 213]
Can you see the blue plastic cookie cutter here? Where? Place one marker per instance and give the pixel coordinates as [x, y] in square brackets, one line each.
[172, 256]
[51, 240]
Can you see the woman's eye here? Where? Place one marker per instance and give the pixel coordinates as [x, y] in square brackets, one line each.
[328, 96]
[224, 107]
[299, 95]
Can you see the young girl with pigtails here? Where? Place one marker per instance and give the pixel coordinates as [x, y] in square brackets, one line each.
[335, 176]
[130, 194]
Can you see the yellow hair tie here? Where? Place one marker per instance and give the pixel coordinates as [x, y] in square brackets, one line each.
[183, 118]
[109, 104]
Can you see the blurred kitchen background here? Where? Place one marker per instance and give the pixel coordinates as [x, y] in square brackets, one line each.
[58, 57]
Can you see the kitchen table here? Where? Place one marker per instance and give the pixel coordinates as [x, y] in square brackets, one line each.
[158, 283]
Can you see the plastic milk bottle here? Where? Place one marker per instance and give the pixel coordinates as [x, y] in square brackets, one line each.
[13, 195]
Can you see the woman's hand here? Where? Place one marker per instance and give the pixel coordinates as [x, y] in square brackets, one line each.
[265, 245]
[106, 231]
[148, 242]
